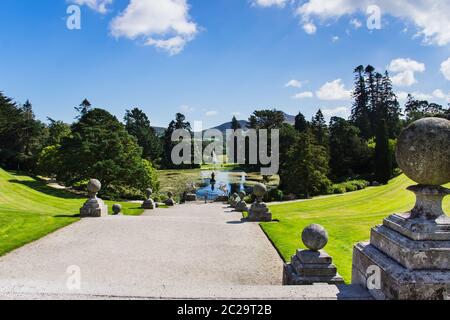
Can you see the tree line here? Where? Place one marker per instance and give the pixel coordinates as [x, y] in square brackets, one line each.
[124, 155]
[314, 155]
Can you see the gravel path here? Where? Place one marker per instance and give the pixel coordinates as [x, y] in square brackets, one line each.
[189, 248]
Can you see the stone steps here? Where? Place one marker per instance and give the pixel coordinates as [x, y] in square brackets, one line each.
[313, 292]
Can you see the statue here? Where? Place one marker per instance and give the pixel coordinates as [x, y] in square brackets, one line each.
[213, 181]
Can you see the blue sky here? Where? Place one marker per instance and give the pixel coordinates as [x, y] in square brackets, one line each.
[212, 59]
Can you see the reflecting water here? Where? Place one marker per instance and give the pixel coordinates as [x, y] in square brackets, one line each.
[225, 184]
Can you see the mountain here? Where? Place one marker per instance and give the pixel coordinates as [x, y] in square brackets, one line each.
[159, 130]
[290, 119]
[226, 126]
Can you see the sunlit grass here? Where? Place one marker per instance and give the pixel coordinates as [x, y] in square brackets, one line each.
[348, 219]
[30, 210]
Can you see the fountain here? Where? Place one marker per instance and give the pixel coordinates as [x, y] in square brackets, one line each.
[220, 184]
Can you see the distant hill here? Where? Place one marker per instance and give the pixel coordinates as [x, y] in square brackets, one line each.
[159, 130]
[290, 119]
[226, 126]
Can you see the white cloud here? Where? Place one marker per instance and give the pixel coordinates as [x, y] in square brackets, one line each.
[97, 5]
[310, 28]
[187, 109]
[165, 24]
[438, 93]
[430, 17]
[335, 39]
[211, 113]
[295, 84]
[445, 68]
[334, 90]
[343, 112]
[269, 3]
[303, 95]
[405, 69]
[356, 23]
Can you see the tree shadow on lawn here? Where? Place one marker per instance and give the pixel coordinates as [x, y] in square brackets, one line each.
[43, 188]
[67, 216]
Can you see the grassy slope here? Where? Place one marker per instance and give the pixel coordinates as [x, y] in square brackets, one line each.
[348, 219]
[29, 210]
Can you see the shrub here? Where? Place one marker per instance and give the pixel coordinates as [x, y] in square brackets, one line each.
[348, 186]
[275, 195]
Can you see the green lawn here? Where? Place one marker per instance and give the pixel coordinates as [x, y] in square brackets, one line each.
[348, 219]
[30, 210]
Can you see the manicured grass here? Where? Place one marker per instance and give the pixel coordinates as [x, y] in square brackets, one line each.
[30, 210]
[177, 180]
[348, 219]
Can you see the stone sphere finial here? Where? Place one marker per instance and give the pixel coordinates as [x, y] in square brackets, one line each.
[423, 151]
[117, 209]
[315, 237]
[94, 186]
[259, 190]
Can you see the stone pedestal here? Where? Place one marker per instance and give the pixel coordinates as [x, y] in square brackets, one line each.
[409, 253]
[408, 256]
[148, 204]
[259, 212]
[191, 197]
[234, 200]
[241, 206]
[94, 207]
[312, 266]
[308, 267]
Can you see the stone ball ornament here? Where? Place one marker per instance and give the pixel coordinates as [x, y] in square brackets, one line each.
[315, 237]
[117, 209]
[423, 151]
[259, 190]
[94, 186]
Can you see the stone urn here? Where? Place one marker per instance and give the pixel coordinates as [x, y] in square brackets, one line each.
[149, 204]
[259, 212]
[94, 207]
